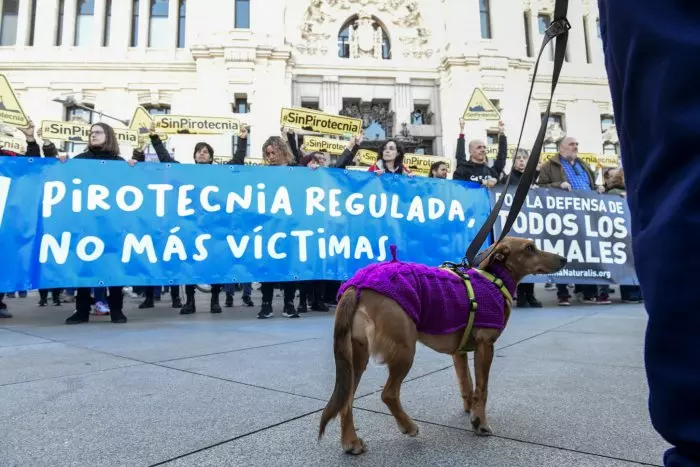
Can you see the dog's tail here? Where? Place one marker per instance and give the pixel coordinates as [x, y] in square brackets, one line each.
[342, 349]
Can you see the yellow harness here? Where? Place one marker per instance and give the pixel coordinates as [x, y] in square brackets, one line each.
[464, 346]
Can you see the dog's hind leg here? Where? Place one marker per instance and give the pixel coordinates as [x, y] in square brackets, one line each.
[483, 356]
[399, 366]
[464, 376]
[349, 440]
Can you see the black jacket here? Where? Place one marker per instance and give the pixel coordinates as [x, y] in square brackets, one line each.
[99, 155]
[469, 171]
[515, 177]
[343, 161]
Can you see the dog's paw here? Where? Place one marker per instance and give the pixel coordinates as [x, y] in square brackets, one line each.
[480, 429]
[356, 447]
[411, 431]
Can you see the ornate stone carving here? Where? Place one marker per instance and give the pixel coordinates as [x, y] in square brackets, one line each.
[610, 135]
[405, 15]
[554, 132]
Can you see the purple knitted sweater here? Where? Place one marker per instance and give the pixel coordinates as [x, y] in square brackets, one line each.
[435, 299]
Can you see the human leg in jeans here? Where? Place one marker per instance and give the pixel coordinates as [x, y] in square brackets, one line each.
[230, 290]
[630, 293]
[651, 51]
[563, 295]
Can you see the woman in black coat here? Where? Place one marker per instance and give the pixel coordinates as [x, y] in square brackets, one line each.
[103, 145]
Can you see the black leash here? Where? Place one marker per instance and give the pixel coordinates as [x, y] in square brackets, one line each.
[559, 29]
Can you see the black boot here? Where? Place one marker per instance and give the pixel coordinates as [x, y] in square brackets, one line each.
[247, 300]
[229, 300]
[522, 301]
[533, 302]
[302, 308]
[189, 307]
[43, 302]
[215, 307]
[177, 303]
[78, 318]
[148, 303]
[319, 306]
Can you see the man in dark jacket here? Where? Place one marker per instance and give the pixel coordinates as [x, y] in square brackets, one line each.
[567, 172]
[476, 168]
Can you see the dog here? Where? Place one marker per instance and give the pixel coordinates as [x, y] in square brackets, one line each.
[385, 308]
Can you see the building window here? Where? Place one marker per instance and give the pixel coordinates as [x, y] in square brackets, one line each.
[8, 26]
[242, 18]
[610, 149]
[485, 17]
[158, 109]
[108, 22]
[84, 22]
[32, 23]
[158, 26]
[543, 22]
[76, 114]
[606, 121]
[312, 105]
[59, 29]
[181, 24]
[587, 40]
[551, 144]
[240, 105]
[528, 34]
[135, 24]
[597, 26]
[347, 40]
[491, 137]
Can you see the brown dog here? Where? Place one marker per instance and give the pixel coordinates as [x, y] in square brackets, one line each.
[370, 323]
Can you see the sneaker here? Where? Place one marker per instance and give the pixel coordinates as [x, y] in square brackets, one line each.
[101, 309]
[43, 302]
[147, 304]
[564, 301]
[602, 300]
[289, 311]
[319, 306]
[248, 301]
[229, 301]
[265, 311]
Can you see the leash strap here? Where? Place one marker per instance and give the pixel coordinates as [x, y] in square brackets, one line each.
[559, 29]
[455, 269]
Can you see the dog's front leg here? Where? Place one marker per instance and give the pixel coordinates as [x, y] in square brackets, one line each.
[466, 386]
[483, 356]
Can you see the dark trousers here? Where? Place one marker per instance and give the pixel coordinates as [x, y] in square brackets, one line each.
[55, 294]
[83, 300]
[149, 292]
[651, 49]
[525, 290]
[630, 292]
[312, 291]
[189, 291]
[589, 291]
[268, 291]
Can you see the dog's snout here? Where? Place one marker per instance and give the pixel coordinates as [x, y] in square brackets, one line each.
[562, 261]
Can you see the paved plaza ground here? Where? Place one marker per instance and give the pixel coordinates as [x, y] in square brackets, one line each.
[567, 388]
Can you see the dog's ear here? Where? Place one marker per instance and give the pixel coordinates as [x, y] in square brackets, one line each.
[491, 255]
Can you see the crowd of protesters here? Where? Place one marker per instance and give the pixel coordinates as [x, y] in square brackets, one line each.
[564, 171]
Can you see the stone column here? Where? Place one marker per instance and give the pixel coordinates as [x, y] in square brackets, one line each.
[69, 12]
[401, 103]
[330, 100]
[173, 21]
[23, 20]
[46, 25]
[99, 22]
[144, 22]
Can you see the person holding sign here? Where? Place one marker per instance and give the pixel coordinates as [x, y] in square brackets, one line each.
[103, 145]
[438, 170]
[278, 153]
[476, 169]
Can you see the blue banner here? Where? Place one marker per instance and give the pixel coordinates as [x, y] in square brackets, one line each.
[86, 223]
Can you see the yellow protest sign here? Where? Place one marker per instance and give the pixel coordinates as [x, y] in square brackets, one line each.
[15, 145]
[331, 146]
[319, 122]
[10, 109]
[492, 151]
[141, 123]
[420, 164]
[80, 132]
[185, 124]
[480, 108]
[608, 160]
[366, 156]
